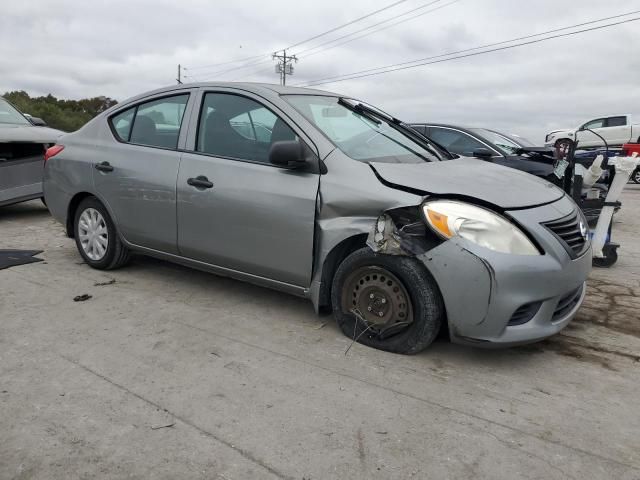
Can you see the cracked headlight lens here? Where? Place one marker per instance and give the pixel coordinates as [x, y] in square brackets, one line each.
[450, 218]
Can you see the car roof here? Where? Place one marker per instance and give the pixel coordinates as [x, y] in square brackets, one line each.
[266, 89]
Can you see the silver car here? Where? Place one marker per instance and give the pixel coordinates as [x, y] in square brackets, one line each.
[329, 198]
[22, 148]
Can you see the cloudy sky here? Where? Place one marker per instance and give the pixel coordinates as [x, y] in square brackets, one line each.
[118, 48]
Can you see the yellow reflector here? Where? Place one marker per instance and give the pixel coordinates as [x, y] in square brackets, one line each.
[440, 222]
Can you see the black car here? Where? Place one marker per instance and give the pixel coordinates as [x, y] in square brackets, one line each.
[508, 150]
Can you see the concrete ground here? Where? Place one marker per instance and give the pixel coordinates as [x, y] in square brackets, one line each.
[170, 373]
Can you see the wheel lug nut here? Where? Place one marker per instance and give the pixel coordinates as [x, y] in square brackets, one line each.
[380, 314]
[371, 295]
[384, 300]
[369, 308]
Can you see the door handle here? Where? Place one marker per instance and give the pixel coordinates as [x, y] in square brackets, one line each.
[200, 182]
[104, 167]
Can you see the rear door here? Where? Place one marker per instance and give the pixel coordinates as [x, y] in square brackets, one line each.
[235, 209]
[617, 130]
[135, 171]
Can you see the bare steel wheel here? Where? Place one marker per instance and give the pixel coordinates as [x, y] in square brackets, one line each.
[379, 299]
[93, 234]
[389, 302]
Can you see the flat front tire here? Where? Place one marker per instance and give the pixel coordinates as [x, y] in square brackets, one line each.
[387, 302]
[96, 236]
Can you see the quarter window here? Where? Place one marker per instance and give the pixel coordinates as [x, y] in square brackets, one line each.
[454, 141]
[122, 123]
[238, 127]
[155, 124]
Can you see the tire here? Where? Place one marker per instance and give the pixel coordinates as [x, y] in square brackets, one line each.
[115, 253]
[609, 259]
[411, 315]
[635, 176]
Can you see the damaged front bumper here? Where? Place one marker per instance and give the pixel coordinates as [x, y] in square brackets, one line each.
[495, 299]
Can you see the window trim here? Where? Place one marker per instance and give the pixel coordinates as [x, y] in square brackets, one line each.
[135, 114]
[497, 154]
[195, 150]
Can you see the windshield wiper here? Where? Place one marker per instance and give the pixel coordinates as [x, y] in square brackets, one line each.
[360, 109]
[374, 114]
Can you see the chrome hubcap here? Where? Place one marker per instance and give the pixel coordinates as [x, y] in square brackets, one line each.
[92, 233]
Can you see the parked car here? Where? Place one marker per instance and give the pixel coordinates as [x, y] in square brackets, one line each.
[22, 148]
[340, 203]
[493, 146]
[616, 130]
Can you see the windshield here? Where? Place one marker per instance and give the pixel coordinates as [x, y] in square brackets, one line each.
[508, 144]
[359, 133]
[9, 115]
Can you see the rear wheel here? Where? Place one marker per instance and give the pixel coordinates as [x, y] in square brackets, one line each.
[97, 238]
[387, 302]
[635, 176]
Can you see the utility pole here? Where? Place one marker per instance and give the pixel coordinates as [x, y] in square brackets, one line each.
[285, 65]
[179, 79]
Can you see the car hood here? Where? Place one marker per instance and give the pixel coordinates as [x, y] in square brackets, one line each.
[28, 133]
[501, 186]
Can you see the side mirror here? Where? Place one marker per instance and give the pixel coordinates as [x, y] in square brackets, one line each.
[287, 154]
[483, 153]
[38, 122]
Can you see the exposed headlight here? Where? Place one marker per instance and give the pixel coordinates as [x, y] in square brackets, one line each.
[481, 226]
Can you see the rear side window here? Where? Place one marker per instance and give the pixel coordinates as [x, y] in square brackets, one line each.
[155, 124]
[233, 126]
[616, 121]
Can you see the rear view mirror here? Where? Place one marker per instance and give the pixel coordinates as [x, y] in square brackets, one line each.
[334, 112]
[483, 153]
[287, 154]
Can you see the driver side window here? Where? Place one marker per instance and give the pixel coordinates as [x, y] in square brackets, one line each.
[234, 126]
[455, 141]
[599, 123]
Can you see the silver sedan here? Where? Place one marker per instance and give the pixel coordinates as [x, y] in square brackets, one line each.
[329, 198]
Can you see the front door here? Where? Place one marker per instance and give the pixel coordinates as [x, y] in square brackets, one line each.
[588, 139]
[135, 173]
[235, 209]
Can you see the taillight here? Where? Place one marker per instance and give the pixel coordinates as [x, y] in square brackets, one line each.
[52, 151]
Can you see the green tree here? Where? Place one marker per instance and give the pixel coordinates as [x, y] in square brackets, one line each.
[67, 115]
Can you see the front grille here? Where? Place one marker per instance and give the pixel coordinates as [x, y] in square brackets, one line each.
[567, 230]
[524, 313]
[567, 303]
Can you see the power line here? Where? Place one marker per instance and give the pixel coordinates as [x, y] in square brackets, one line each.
[367, 28]
[379, 29]
[339, 27]
[200, 67]
[407, 65]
